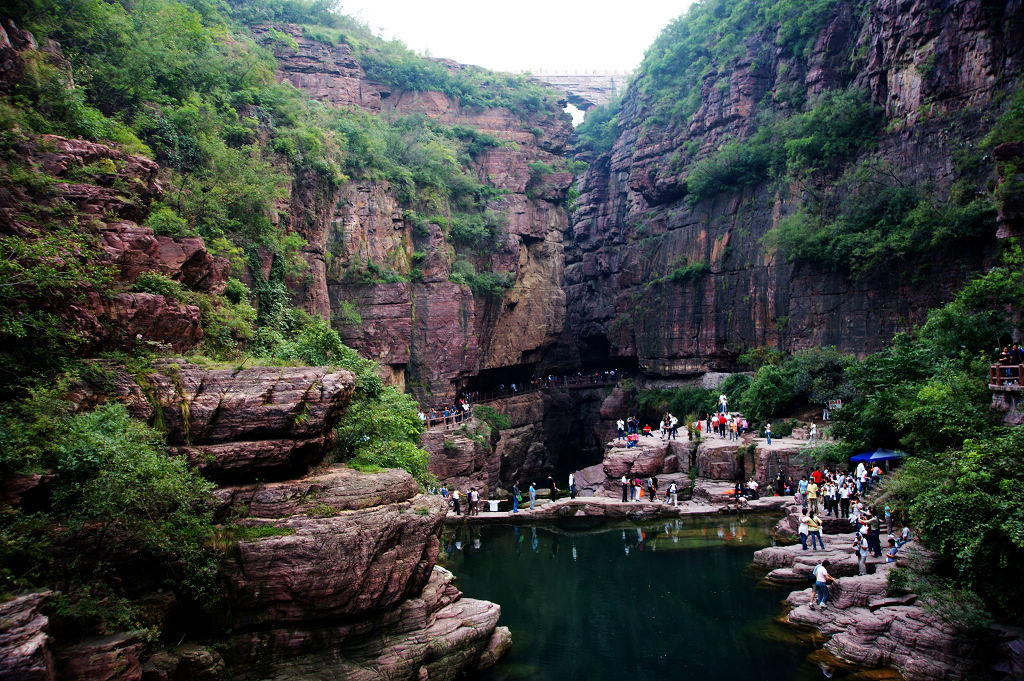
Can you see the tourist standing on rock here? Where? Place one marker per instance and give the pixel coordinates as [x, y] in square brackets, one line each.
[516, 497]
[620, 427]
[455, 501]
[875, 533]
[812, 434]
[768, 433]
[814, 530]
[802, 529]
[723, 403]
[625, 488]
[844, 500]
[572, 486]
[803, 490]
[821, 581]
[862, 477]
[812, 496]
[861, 544]
[673, 494]
[533, 495]
[708, 424]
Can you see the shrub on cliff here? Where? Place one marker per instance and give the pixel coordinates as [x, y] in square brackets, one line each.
[874, 216]
[968, 504]
[114, 491]
[384, 432]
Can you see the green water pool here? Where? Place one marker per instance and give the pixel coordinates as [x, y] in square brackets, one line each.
[657, 600]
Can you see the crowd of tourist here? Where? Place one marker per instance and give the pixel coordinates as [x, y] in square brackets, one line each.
[630, 430]
[448, 415]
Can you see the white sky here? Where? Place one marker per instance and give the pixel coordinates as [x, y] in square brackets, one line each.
[523, 35]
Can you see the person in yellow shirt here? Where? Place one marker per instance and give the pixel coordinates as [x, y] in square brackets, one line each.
[814, 530]
[812, 496]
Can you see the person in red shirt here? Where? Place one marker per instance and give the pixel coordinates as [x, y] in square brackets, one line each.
[817, 476]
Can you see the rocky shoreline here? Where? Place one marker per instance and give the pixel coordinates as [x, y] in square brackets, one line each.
[869, 624]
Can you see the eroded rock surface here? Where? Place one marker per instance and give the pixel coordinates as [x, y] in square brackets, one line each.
[241, 424]
[24, 640]
[351, 589]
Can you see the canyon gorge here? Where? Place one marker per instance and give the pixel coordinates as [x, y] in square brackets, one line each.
[580, 271]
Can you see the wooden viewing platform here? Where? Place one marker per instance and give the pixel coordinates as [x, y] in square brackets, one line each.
[1004, 377]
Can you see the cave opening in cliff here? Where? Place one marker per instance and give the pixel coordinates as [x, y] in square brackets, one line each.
[499, 380]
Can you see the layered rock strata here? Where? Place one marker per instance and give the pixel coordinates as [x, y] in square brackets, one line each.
[869, 625]
[110, 192]
[634, 226]
[431, 330]
[359, 596]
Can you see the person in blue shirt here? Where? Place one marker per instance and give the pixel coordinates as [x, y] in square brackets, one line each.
[533, 495]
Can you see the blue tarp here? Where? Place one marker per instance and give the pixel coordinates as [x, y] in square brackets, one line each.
[878, 455]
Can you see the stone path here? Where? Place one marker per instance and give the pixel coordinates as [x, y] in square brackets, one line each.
[608, 507]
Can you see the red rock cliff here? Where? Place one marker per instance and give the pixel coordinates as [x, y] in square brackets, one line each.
[433, 331]
[933, 68]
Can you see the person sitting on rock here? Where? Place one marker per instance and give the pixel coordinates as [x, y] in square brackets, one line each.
[631, 440]
[890, 553]
[647, 431]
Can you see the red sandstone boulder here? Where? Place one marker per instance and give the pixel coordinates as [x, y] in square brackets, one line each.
[135, 250]
[387, 553]
[24, 641]
[111, 658]
[434, 635]
[338, 489]
[240, 424]
[870, 629]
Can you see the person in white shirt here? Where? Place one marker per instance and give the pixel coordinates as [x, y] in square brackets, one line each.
[821, 581]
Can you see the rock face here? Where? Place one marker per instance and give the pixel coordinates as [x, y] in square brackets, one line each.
[633, 225]
[434, 332]
[257, 423]
[865, 625]
[109, 192]
[587, 90]
[24, 642]
[869, 628]
[389, 613]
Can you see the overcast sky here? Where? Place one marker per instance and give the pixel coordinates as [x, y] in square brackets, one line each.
[523, 35]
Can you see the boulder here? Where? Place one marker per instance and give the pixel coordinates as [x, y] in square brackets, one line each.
[24, 642]
[387, 551]
[109, 658]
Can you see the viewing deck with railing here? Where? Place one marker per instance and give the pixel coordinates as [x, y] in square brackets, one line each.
[1004, 377]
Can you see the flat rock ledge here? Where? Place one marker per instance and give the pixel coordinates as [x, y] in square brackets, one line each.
[707, 500]
[869, 628]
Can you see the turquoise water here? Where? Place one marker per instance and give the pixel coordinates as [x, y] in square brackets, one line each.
[659, 600]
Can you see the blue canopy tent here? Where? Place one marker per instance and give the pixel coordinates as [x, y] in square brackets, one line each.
[878, 455]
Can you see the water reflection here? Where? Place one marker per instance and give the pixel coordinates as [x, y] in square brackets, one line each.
[666, 598]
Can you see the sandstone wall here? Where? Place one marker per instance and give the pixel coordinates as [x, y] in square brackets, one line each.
[431, 331]
[633, 224]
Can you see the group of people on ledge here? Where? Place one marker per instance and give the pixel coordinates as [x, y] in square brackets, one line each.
[633, 490]
[1010, 354]
[448, 415]
[629, 430]
[724, 424]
